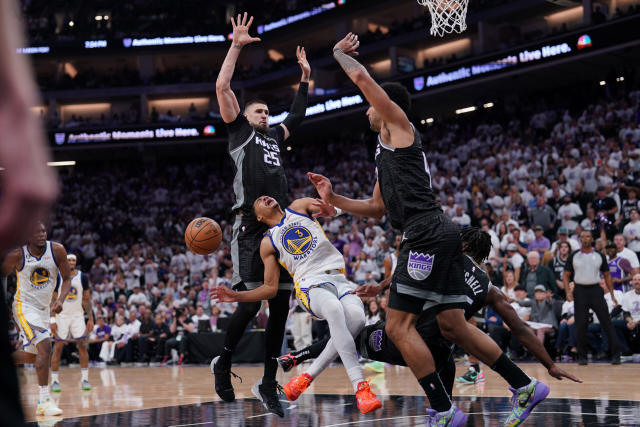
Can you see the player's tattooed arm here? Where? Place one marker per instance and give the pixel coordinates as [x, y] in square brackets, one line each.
[343, 52]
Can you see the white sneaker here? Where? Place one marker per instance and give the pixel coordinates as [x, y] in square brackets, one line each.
[48, 408]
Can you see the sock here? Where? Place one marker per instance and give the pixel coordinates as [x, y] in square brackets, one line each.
[85, 374]
[355, 375]
[510, 372]
[476, 367]
[312, 351]
[54, 376]
[433, 388]
[225, 358]
[44, 392]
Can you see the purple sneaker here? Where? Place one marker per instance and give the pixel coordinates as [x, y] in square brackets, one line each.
[454, 417]
[524, 400]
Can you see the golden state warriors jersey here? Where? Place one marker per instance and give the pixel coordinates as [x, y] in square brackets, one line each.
[302, 247]
[37, 279]
[73, 302]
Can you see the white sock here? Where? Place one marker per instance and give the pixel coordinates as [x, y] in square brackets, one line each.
[85, 374]
[44, 392]
[355, 375]
[54, 376]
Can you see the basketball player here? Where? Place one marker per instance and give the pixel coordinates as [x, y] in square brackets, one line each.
[69, 325]
[28, 186]
[373, 342]
[430, 272]
[37, 265]
[255, 150]
[298, 242]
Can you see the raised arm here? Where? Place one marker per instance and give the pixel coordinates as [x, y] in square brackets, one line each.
[373, 207]
[271, 278]
[392, 115]
[299, 105]
[229, 108]
[498, 301]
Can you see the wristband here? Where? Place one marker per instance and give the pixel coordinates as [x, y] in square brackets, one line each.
[338, 211]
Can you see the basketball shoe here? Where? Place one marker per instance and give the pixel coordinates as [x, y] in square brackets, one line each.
[48, 408]
[297, 385]
[367, 400]
[375, 366]
[86, 385]
[287, 361]
[472, 377]
[524, 400]
[55, 387]
[454, 417]
[267, 393]
[222, 380]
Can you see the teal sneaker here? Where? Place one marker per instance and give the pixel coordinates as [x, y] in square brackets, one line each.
[524, 400]
[375, 366]
[470, 377]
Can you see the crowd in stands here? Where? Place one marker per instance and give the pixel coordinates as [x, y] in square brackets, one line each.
[532, 173]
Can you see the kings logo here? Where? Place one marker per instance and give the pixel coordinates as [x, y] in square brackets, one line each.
[419, 265]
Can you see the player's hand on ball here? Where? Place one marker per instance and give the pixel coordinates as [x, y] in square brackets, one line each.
[302, 61]
[366, 291]
[349, 44]
[558, 373]
[223, 294]
[324, 209]
[56, 307]
[241, 35]
[322, 184]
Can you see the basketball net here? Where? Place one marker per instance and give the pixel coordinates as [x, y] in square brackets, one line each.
[447, 16]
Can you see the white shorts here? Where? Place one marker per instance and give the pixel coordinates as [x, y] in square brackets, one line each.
[33, 324]
[70, 327]
[336, 283]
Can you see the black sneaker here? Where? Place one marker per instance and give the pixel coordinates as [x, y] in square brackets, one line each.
[267, 393]
[287, 361]
[222, 380]
[615, 359]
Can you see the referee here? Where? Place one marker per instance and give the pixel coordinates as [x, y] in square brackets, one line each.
[586, 265]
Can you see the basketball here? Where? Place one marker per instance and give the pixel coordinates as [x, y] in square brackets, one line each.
[203, 236]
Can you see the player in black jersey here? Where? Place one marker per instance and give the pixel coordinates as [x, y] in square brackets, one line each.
[373, 342]
[429, 274]
[255, 150]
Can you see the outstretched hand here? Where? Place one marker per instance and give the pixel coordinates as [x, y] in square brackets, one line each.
[349, 44]
[366, 291]
[322, 184]
[558, 374]
[324, 209]
[223, 294]
[241, 35]
[304, 64]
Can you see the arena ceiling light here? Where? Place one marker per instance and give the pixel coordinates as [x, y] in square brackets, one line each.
[71, 23]
[62, 163]
[602, 83]
[620, 79]
[465, 110]
[427, 121]
[488, 105]
[98, 18]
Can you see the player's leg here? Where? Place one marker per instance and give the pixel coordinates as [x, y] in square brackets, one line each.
[10, 406]
[289, 360]
[46, 406]
[267, 390]
[84, 363]
[58, 346]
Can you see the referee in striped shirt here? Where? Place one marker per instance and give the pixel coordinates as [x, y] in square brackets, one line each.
[585, 266]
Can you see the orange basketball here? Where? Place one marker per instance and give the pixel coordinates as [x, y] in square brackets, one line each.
[203, 236]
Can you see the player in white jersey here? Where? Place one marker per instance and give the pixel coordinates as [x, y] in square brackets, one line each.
[37, 266]
[69, 325]
[298, 242]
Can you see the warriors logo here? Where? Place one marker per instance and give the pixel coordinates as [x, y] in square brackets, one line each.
[40, 277]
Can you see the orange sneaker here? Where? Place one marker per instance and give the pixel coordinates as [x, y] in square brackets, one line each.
[367, 400]
[297, 385]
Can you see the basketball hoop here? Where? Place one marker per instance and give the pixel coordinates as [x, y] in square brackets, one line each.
[447, 16]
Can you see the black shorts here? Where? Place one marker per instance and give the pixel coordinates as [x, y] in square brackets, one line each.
[248, 233]
[430, 269]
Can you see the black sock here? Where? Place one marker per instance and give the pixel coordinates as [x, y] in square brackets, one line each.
[311, 352]
[476, 367]
[225, 358]
[510, 372]
[433, 388]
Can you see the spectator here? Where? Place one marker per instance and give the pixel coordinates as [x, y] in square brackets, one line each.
[599, 341]
[542, 215]
[180, 328]
[137, 297]
[542, 313]
[586, 267]
[631, 231]
[569, 214]
[563, 236]
[144, 335]
[373, 313]
[566, 340]
[101, 334]
[535, 274]
[557, 265]
[540, 244]
[619, 267]
[514, 261]
[631, 308]
[624, 252]
[509, 287]
[460, 218]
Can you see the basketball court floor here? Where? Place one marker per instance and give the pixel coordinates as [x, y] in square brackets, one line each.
[184, 396]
